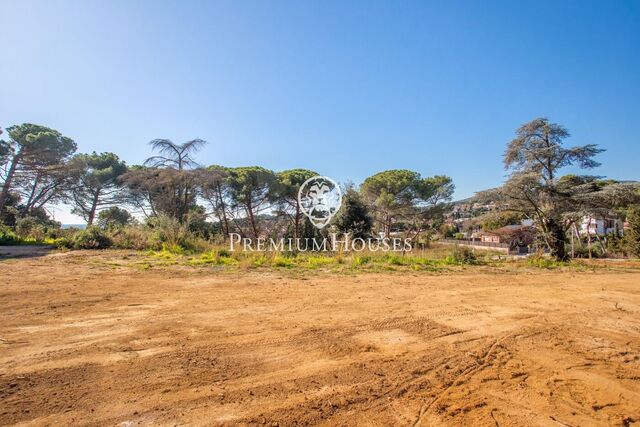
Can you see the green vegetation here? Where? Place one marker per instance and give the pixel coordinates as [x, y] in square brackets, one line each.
[9, 237]
[172, 207]
[403, 199]
[438, 259]
[34, 158]
[354, 216]
[536, 188]
[462, 255]
[430, 260]
[289, 182]
[540, 261]
[97, 183]
[91, 238]
[632, 237]
[496, 220]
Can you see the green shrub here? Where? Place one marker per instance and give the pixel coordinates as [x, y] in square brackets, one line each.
[397, 260]
[280, 261]
[30, 227]
[173, 249]
[194, 243]
[315, 261]
[133, 237]
[169, 230]
[208, 258]
[214, 257]
[541, 261]
[114, 217]
[359, 260]
[175, 233]
[461, 255]
[165, 239]
[91, 238]
[224, 253]
[8, 237]
[227, 261]
[259, 261]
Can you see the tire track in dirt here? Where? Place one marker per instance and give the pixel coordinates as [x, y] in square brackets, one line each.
[373, 350]
[480, 364]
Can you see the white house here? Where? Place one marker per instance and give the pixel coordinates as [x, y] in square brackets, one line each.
[600, 226]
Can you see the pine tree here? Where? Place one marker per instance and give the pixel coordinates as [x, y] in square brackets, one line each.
[354, 216]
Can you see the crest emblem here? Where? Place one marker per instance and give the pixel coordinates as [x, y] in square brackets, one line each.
[320, 199]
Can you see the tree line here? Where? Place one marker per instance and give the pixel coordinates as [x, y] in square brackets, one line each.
[40, 168]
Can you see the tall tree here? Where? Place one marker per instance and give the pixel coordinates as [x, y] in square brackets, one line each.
[433, 196]
[114, 217]
[97, 183]
[289, 183]
[495, 220]
[535, 158]
[354, 217]
[156, 191]
[43, 185]
[252, 189]
[172, 155]
[31, 149]
[5, 150]
[181, 184]
[403, 196]
[214, 188]
[390, 196]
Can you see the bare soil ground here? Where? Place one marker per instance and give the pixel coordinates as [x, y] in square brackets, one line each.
[87, 340]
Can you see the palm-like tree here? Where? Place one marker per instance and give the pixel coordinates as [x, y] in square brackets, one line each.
[176, 161]
[171, 155]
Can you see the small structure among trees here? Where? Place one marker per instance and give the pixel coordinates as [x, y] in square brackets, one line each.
[518, 237]
[536, 188]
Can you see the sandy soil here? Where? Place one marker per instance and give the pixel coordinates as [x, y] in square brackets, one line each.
[83, 341]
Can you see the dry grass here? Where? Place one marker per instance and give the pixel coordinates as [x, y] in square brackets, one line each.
[438, 258]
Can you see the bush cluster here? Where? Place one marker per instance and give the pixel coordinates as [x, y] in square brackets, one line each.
[8, 237]
[429, 260]
[462, 255]
[162, 236]
[91, 238]
[540, 260]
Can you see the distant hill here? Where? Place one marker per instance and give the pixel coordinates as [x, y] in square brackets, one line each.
[468, 200]
[78, 226]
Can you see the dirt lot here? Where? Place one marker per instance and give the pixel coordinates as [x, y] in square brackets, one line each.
[87, 340]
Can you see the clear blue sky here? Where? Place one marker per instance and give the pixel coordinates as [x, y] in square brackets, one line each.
[346, 88]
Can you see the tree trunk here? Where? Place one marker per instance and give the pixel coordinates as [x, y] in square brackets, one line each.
[252, 219]
[387, 226]
[296, 226]
[9, 180]
[573, 251]
[29, 204]
[94, 207]
[224, 213]
[185, 203]
[557, 241]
